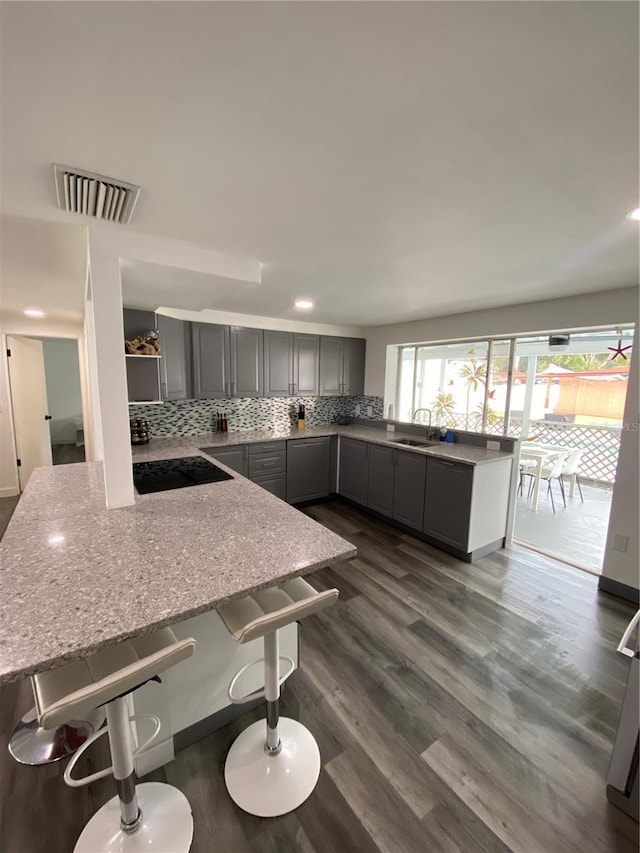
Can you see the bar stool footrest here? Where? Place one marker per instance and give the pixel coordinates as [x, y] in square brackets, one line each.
[256, 694]
[87, 780]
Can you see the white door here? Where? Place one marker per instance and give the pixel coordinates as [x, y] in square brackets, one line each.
[30, 407]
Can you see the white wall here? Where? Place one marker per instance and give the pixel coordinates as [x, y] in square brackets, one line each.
[594, 309]
[625, 510]
[8, 469]
[62, 374]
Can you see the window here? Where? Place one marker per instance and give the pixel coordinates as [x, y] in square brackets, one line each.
[503, 386]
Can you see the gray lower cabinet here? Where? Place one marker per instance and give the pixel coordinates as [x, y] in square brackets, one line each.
[274, 483]
[354, 470]
[175, 364]
[306, 364]
[211, 364]
[409, 489]
[278, 364]
[236, 458]
[308, 469]
[447, 508]
[267, 463]
[246, 350]
[381, 479]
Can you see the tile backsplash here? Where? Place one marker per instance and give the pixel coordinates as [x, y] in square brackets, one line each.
[194, 417]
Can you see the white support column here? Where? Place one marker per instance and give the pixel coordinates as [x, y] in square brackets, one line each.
[109, 369]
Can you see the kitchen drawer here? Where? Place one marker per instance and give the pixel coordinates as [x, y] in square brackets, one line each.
[268, 463]
[267, 447]
[274, 483]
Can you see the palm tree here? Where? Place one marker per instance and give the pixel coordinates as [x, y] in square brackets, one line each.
[443, 407]
[474, 374]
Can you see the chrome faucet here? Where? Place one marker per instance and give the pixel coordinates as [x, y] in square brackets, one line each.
[413, 420]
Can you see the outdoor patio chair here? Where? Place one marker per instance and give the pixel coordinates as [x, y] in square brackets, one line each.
[570, 470]
[553, 471]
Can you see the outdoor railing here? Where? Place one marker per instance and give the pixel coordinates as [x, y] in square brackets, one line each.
[600, 444]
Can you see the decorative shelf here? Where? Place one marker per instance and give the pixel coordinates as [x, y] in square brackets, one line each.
[146, 402]
[133, 355]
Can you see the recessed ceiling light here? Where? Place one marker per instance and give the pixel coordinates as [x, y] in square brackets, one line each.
[34, 312]
[634, 214]
[303, 303]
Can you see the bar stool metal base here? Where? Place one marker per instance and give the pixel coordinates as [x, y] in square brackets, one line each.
[167, 824]
[271, 785]
[31, 744]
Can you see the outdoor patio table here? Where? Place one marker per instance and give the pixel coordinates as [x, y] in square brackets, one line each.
[539, 455]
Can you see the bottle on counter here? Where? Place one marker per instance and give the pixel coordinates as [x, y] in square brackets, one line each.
[224, 423]
[301, 416]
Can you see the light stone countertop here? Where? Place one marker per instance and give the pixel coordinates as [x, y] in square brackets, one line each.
[164, 448]
[75, 576]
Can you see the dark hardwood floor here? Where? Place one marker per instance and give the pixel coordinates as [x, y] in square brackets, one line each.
[457, 708]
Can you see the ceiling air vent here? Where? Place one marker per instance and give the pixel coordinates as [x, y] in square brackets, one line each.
[94, 195]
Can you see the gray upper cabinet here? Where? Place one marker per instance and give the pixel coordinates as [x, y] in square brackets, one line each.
[308, 469]
[175, 364]
[354, 470]
[291, 364]
[331, 366]
[246, 347]
[447, 508]
[381, 479]
[278, 364]
[143, 377]
[306, 363]
[409, 488]
[354, 361]
[211, 364]
[342, 363]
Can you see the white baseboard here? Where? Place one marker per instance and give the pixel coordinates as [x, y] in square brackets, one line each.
[9, 493]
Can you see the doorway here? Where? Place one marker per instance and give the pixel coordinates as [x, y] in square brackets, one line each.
[44, 382]
[567, 406]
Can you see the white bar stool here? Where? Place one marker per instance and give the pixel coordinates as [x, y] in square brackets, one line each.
[153, 817]
[31, 744]
[271, 773]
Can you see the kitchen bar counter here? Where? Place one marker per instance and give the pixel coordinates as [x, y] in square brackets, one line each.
[76, 577]
[164, 448]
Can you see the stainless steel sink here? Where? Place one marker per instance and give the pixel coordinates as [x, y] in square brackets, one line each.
[412, 442]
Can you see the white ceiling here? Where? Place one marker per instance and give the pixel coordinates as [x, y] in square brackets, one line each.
[389, 160]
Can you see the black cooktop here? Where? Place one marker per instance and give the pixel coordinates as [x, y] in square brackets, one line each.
[164, 474]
